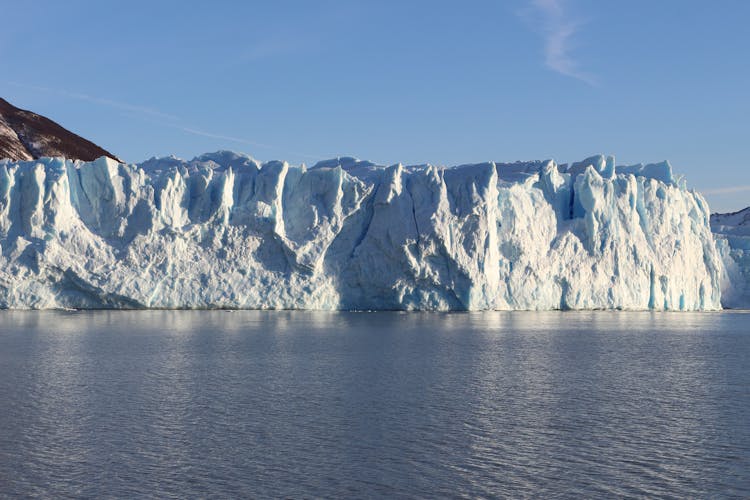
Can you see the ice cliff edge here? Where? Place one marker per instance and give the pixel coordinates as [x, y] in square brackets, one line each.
[223, 230]
[732, 234]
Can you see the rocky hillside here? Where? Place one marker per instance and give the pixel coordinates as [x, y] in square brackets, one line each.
[26, 136]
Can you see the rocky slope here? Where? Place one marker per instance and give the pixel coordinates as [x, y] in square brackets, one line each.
[26, 136]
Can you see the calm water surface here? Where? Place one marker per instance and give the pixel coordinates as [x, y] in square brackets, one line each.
[271, 404]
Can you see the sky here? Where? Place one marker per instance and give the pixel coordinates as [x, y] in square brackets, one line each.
[396, 81]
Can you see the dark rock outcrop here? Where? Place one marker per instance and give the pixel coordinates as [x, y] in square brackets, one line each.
[26, 136]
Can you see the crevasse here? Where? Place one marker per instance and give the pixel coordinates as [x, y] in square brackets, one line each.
[224, 231]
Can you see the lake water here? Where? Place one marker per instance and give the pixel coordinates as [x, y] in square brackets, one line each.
[272, 404]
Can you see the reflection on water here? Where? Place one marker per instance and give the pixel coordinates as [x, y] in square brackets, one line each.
[180, 403]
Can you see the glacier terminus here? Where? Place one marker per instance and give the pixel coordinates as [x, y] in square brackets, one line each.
[225, 231]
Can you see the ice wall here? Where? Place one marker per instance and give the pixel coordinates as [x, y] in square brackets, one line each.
[732, 233]
[223, 230]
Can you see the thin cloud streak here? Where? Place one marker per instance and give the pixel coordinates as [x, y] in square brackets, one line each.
[134, 108]
[727, 190]
[224, 137]
[156, 117]
[558, 30]
[245, 141]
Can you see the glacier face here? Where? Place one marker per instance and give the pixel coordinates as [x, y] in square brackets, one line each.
[225, 231]
[732, 233]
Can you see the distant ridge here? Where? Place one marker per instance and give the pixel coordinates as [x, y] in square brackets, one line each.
[734, 223]
[25, 135]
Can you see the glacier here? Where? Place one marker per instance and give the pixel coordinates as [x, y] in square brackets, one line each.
[226, 231]
[732, 234]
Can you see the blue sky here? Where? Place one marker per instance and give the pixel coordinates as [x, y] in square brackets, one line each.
[390, 81]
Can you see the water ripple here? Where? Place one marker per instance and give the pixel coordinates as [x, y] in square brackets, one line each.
[212, 404]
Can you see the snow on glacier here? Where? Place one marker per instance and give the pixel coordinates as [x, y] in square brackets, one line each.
[224, 230]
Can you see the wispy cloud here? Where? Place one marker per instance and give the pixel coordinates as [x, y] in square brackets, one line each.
[558, 29]
[245, 141]
[223, 137]
[727, 190]
[132, 108]
[157, 117]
